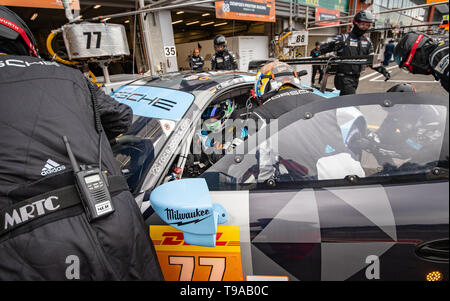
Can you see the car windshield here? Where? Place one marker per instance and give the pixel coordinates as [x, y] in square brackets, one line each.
[365, 141]
[156, 113]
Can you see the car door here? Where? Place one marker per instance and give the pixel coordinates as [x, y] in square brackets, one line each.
[350, 189]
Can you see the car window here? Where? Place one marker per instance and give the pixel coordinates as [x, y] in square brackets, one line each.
[366, 141]
[156, 113]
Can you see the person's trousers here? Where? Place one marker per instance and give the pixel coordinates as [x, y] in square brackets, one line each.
[346, 83]
[387, 59]
[314, 71]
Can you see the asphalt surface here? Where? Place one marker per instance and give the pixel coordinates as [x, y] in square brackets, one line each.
[373, 82]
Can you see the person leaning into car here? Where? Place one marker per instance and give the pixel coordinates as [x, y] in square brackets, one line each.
[43, 230]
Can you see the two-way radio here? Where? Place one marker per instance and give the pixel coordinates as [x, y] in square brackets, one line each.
[92, 187]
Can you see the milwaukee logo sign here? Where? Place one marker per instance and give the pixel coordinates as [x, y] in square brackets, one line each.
[30, 211]
[198, 214]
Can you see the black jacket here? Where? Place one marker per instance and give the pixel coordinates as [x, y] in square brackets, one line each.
[348, 45]
[196, 63]
[40, 102]
[224, 61]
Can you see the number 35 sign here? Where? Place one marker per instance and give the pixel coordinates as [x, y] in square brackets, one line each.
[298, 38]
[169, 51]
[182, 262]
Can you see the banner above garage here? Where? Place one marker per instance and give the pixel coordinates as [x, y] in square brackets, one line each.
[340, 5]
[323, 15]
[247, 10]
[74, 4]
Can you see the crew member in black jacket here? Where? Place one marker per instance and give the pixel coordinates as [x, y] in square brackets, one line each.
[315, 53]
[47, 239]
[420, 54]
[353, 43]
[223, 59]
[196, 61]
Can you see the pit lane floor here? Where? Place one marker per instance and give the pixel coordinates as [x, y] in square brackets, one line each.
[373, 82]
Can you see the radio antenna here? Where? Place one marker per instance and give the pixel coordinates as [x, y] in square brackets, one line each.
[73, 161]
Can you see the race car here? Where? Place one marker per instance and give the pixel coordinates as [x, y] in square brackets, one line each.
[343, 188]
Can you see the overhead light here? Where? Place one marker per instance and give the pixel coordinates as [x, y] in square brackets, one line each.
[209, 23]
[195, 22]
[180, 12]
[220, 24]
[176, 22]
[127, 21]
[205, 14]
[34, 16]
[97, 6]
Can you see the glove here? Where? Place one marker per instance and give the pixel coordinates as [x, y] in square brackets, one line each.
[383, 71]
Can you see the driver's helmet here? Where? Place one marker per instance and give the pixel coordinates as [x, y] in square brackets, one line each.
[220, 41]
[363, 16]
[274, 76]
[413, 51]
[15, 36]
[404, 87]
[216, 115]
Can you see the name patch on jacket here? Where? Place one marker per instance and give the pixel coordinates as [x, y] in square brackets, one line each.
[17, 216]
[24, 64]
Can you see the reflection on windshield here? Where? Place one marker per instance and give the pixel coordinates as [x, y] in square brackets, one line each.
[364, 141]
[137, 149]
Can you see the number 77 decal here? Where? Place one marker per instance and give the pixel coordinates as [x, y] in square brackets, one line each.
[218, 265]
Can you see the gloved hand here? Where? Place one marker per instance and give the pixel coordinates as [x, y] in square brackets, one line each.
[383, 71]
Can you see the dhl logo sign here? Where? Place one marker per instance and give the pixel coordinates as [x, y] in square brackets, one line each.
[168, 238]
[181, 261]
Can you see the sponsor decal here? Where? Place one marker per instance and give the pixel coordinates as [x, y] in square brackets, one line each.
[192, 77]
[199, 215]
[442, 65]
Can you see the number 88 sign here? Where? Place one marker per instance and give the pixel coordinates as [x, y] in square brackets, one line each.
[182, 262]
[298, 38]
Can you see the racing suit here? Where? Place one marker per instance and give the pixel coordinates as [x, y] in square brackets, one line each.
[225, 60]
[196, 63]
[40, 102]
[439, 61]
[348, 45]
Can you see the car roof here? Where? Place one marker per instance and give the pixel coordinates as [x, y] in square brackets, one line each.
[190, 81]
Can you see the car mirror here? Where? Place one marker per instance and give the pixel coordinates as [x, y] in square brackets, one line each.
[186, 205]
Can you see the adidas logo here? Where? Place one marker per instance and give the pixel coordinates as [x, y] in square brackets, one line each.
[51, 167]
